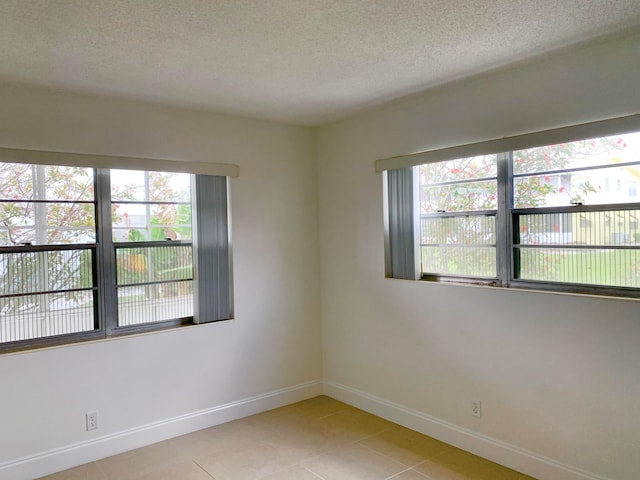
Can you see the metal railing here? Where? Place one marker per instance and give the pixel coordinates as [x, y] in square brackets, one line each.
[46, 291]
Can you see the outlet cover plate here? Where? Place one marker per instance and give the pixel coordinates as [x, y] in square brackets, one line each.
[92, 421]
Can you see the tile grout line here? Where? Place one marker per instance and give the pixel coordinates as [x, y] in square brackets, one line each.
[396, 474]
[332, 413]
[409, 467]
[203, 469]
[312, 472]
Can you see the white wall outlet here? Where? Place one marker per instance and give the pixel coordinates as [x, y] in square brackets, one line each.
[92, 420]
[476, 408]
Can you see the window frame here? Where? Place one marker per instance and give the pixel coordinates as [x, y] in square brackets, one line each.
[104, 267]
[567, 287]
[507, 246]
[111, 247]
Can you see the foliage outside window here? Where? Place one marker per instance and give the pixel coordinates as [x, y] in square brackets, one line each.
[458, 200]
[151, 225]
[543, 217]
[52, 206]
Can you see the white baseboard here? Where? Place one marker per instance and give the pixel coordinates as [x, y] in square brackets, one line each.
[58, 459]
[492, 449]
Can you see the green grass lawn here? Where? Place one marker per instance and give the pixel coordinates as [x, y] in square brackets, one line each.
[619, 268]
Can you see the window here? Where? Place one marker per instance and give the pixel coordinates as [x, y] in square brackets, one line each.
[93, 252]
[537, 217]
[151, 228]
[458, 217]
[47, 251]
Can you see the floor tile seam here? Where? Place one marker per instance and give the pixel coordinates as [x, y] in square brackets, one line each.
[332, 413]
[312, 472]
[201, 467]
[422, 463]
[371, 435]
[397, 474]
[407, 467]
[390, 457]
[364, 446]
[310, 469]
[287, 467]
[427, 477]
[422, 474]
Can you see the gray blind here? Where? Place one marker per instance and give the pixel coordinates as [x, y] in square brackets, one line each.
[212, 293]
[401, 229]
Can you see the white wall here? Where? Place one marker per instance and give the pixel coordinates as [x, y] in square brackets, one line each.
[272, 344]
[558, 375]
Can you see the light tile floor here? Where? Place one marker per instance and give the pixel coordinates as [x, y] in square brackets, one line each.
[316, 439]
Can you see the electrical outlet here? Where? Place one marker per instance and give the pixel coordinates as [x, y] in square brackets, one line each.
[476, 408]
[92, 420]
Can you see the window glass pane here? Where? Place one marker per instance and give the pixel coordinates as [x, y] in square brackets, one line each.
[45, 182]
[140, 299]
[46, 271]
[459, 169]
[32, 301]
[68, 183]
[46, 223]
[152, 264]
[144, 222]
[154, 303]
[583, 153]
[16, 181]
[588, 184]
[460, 245]
[588, 187]
[568, 264]
[148, 217]
[11, 235]
[22, 318]
[459, 230]
[458, 185]
[169, 187]
[128, 185]
[583, 228]
[132, 185]
[593, 266]
[466, 261]
[552, 228]
[471, 196]
[17, 221]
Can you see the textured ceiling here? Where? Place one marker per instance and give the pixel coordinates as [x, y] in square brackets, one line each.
[305, 62]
